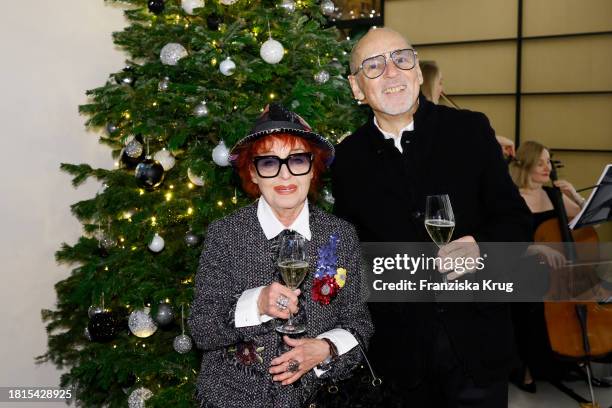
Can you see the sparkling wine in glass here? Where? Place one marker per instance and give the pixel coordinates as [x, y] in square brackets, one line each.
[293, 266]
[439, 220]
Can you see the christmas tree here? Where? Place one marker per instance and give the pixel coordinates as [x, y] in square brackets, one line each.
[198, 75]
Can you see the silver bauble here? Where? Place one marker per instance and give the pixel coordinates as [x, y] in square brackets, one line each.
[134, 149]
[328, 197]
[157, 243]
[272, 51]
[195, 179]
[171, 53]
[141, 323]
[200, 110]
[220, 154]
[182, 343]
[328, 7]
[321, 77]
[138, 397]
[287, 5]
[111, 129]
[164, 84]
[191, 239]
[227, 67]
[164, 315]
[165, 158]
[107, 242]
[189, 5]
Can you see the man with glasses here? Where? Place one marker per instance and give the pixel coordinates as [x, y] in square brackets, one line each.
[442, 354]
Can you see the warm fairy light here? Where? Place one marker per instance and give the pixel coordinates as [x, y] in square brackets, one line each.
[114, 346]
[122, 239]
[214, 43]
[140, 191]
[187, 25]
[189, 185]
[134, 248]
[153, 221]
[144, 345]
[190, 211]
[116, 164]
[106, 268]
[213, 62]
[127, 215]
[171, 186]
[168, 196]
[154, 104]
[167, 300]
[234, 200]
[272, 95]
[187, 281]
[127, 114]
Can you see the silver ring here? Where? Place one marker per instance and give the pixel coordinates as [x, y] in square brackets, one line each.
[282, 302]
[293, 366]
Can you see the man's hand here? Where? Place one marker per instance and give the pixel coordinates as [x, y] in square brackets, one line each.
[270, 295]
[306, 353]
[464, 247]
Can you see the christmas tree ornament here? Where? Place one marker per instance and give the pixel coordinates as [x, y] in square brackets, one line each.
[336, 65]
[182, 343]
[227, 67]
[126, 77]
[164, 315]
[191, 239]
[165, 158]
[327, 196]
[197, 180]
[328, 7]
[156, 6]
[94, 310]
[321, 77]
[213, 21]
[149, 173]
[157, 243]
[200, 110]
[287, 5]
[141, 323]
[103, 326]
[111, 129]
[189, 5]
[220, 154]
[227, 2]
[164, 84]
[134, 149]
[272, 51]
[138, 397]
[172, 53]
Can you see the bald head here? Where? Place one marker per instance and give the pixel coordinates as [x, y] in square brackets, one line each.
[368, 45]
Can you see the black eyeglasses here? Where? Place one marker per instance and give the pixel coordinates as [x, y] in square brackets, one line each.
[298, 164]
[374, 67]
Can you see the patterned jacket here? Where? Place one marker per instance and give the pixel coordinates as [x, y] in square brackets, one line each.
[236, 257]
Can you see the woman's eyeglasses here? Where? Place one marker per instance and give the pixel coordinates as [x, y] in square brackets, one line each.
[298, 164]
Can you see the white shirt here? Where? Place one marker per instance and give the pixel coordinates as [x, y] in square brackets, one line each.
[397, 139]
[247, 311]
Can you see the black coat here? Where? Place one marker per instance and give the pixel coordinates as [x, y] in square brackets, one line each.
[382, 192]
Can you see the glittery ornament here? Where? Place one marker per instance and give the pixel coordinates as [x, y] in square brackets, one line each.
[328, 7]
[171, 53]
[321, 77]
[227, 67]
[191, 239]
[165, 158]
[157, 243]
[138, 397]
[164, 84]
[272, 51]
[220, 154]
[164, 315]
[134, 149]
[149, 174]
[287, 5]
[141, 323]
[227, 2]
[182, 343]
[156, 6]
[200, 110]
[189, 5]
[103, 326]
[195, 179]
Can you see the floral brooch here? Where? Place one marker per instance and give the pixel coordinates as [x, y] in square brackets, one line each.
[328, 279]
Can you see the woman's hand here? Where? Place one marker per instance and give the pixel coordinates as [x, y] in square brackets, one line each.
[308, 353]
[551, 256]
[568, 189]
[268, 300]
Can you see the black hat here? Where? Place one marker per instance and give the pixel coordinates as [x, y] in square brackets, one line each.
[277, 119]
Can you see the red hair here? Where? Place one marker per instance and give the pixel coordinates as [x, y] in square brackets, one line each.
[244, 162]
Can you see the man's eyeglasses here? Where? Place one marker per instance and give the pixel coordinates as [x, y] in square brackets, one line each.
[298, 164]
[374, 67]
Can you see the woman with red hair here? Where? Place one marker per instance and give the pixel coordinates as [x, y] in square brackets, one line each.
[239, 292]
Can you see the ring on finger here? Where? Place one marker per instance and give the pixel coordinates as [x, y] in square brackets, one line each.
[282, 301]
[293, 366]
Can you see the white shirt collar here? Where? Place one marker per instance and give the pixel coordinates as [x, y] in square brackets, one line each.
[397, 139]
[272, 226]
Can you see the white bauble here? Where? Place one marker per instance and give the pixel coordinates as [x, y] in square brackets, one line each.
[220, 154]
[288, 5]
[227, 67]
[141, 323]
[165, 158]
[227, 2]
[157, 243]
[321, 77]
[200, 110]
[272, 51]
[138, 397]
[189, 5]
[198, 181]
[171, 53]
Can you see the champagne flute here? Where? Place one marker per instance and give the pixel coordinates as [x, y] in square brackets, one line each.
[293, 266]
[439, 220]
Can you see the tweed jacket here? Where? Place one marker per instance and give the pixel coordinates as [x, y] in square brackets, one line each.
[235, 362]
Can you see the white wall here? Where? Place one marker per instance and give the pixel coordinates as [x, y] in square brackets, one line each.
[51, 52]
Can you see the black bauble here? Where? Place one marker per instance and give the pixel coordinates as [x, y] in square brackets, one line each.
[156, 6]
[213, 21]
[104, 326]
[149, 174]
[130, 162]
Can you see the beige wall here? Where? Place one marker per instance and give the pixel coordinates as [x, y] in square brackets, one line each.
[569, 64]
